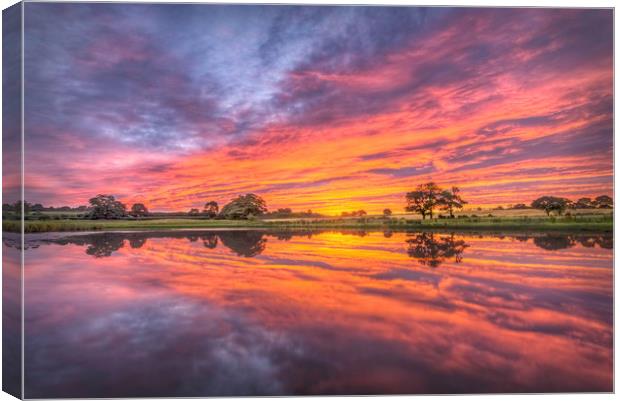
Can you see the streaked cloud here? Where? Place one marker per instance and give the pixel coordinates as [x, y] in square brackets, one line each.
[329, 108]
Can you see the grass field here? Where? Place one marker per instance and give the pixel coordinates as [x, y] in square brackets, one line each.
[532, 220]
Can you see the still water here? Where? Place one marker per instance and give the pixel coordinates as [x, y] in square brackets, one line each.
[267, 313]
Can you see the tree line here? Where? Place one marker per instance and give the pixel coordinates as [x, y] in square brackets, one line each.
[429, 196]
[242, 207]
[425, 200]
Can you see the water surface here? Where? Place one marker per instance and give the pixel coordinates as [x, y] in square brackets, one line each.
[267, 313]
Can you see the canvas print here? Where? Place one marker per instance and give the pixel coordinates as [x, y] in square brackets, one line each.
[248, 200]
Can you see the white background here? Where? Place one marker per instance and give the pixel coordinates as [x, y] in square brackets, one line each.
[539, 3]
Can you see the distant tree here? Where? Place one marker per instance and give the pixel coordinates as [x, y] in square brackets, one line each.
[519, 206]
[37, 207]
[345, 214]
[361, 213]
[211, 209]
[451, 200]
[244, 207]
[193, 212]
[424, 199]
[551, 204]
[387, 213]
[583, 203]
[604, 202]
[139, 210]
[106, 207]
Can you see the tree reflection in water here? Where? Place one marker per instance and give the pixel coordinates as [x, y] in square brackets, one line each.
[209, 241]
[104, 244]
[553, 242]
[433, 249]
[244, 243]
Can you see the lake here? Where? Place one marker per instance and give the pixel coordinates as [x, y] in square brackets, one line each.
[206, 313]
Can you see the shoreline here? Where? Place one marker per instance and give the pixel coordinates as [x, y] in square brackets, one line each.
[591, 224]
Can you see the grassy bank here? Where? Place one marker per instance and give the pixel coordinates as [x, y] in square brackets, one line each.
[515, 223]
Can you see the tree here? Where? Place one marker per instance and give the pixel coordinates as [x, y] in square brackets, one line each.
[415, 203]
[423, 199]
[551, 204]
[106, 207]
[450, 200]
[604, 202]
[193, 212]
[583, 203]
[387, 213]
[211, 209]
[139, 210]
[244, 207]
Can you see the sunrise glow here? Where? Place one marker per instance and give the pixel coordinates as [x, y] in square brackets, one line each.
[323, 108]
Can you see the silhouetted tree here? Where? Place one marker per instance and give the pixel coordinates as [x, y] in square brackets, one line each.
[423, 200]
[583, 203]
[387, 213]
[106, 207]
[551, 204]
[451, 200]
[244, 206]
[194, 212]
[604, 202]
[211, 209]
[139, 210]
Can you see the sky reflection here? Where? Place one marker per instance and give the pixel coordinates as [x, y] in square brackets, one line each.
[258, 313]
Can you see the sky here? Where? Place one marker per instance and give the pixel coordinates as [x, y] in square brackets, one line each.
[325, 108]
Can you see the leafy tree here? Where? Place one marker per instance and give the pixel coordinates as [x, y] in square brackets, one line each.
[139, 210]
[244, 207]
[424, 199]
[387, 213]
[520, 206]
[551, 204]
[193, 212]
[604, 202]
[106, 207]
[415, 203]
[583, 203]
[451, 200]
[211, 209]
